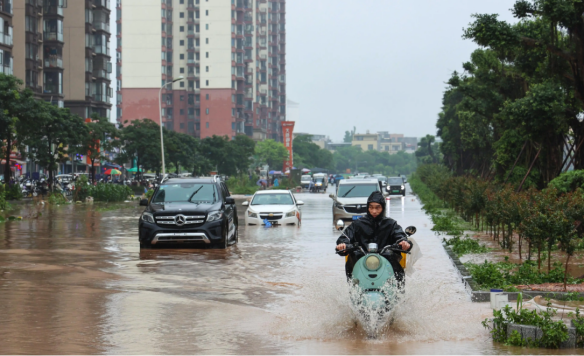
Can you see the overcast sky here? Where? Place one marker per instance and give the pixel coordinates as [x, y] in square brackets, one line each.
[379, 65]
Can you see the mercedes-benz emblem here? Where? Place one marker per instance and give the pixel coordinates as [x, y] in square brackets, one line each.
[180, 220]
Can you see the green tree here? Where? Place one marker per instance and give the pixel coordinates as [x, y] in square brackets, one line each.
[427, 150]
[101, 137]
[19, 114]
[55, 134]
[140, 140]
[272, 153]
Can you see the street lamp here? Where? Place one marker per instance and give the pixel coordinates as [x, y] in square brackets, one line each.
[160, 111]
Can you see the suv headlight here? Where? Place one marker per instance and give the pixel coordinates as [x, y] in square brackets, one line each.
[214, 215]
[338, 205]
[251, 214]
[402, 187]
[291, 214]
[147, 217]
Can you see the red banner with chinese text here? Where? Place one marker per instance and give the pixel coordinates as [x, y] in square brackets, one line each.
[287, 130]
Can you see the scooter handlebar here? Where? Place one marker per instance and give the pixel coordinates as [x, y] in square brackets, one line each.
[348, 248]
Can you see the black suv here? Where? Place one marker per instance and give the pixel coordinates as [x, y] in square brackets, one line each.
[189, 211]
[396, 185]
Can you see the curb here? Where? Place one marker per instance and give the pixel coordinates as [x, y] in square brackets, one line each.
[479, 296]
[533, 333]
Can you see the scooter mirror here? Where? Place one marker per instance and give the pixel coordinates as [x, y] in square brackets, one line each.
[410, 230]
[340, 225]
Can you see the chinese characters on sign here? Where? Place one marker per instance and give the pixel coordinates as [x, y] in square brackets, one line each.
[287, 129]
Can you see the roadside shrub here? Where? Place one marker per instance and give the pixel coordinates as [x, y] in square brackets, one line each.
[241, 185]
[106, 192]
[3, 203]
[13, 192]
[57, 198]
[568, 182]
[463, 246]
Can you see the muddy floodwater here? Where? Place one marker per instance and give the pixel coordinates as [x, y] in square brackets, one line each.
[73, 280]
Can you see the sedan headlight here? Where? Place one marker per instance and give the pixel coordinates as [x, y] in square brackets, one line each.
[338, 205]
[251, 214]
[291, 214]
[214, 215]
[318, 184]
[147, 217]
[372, 263]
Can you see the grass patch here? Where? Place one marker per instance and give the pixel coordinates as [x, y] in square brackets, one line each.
[463, 246]
[506, 275]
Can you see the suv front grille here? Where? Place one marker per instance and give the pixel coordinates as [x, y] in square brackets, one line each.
[274, 216]
[179, 220]
[356, 209]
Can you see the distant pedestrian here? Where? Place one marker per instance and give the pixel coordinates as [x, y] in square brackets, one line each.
[276, 183]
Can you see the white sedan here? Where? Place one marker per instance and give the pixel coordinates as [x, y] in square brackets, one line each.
[275, 206]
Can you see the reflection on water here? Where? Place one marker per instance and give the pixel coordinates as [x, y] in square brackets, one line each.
[73, 280]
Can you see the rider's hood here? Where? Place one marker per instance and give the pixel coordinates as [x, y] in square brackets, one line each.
[376, 197]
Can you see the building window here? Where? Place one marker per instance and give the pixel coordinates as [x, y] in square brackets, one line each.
[182, 42]
[207, 68]
[206, 26]
[182, 84]
[182, 15]
[182, 125]
[182, 70]
[182, 111]
[206, 12]
[206, 54]
[182, 56]
[182, 29]
[207, 97]
[370, 147]
[182, 98]
[207, 125]
[207, 82]
[182, 2]
[206, 41]
[207, 111]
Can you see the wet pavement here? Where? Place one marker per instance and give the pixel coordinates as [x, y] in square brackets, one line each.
[73, 280]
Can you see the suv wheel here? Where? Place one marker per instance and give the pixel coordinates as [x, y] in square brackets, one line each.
[145, 245]
[235, 236]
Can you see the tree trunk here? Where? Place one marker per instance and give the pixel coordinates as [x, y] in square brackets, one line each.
[538, 258]
[7, 165]
[92, 171]
[549, 258]
[519, 245]
[566, 273]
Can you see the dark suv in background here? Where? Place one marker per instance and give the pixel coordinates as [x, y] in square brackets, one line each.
[396, 185]
[189, 211]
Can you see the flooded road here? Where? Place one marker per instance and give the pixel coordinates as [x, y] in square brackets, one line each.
[73, 280]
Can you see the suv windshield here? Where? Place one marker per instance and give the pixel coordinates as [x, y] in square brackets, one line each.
[396, 181]
[272, 199]
[319, 180]
[186, 192]
[356, 190]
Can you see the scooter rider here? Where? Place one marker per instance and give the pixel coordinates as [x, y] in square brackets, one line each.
[375, 227]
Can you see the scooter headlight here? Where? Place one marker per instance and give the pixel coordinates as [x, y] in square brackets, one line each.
[372, 263]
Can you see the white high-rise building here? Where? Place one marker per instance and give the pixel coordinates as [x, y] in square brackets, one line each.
[232, 54]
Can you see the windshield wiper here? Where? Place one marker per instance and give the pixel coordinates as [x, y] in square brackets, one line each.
[196, 191]
[349, 191]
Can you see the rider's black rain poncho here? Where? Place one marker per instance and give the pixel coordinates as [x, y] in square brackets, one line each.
[381, 230]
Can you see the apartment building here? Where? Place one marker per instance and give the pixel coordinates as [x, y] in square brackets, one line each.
[61, 52]
[231, 55]
[6, 37]
[367, 141]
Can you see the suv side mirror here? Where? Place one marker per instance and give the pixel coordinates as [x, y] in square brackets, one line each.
[229, 200]
[143, 202]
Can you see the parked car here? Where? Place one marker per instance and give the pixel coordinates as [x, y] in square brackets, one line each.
[276, 206]
[396, 185]
[189, 211]
[362, 175]
[350, 200]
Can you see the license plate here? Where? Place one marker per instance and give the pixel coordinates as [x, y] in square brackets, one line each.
[396, 191]
[274, 222]
[356, 217]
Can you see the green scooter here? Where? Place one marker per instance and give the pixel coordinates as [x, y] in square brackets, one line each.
[374, 289]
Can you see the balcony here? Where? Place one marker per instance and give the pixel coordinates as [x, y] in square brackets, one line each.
[98, 49]
[54, 62]
[101, 26]
[101, 3]
[53, 89]
[6, 39]
[53, 36]
[100, 97]
[6, 6]
[6, 69]
[52, 10]
[101, 74]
